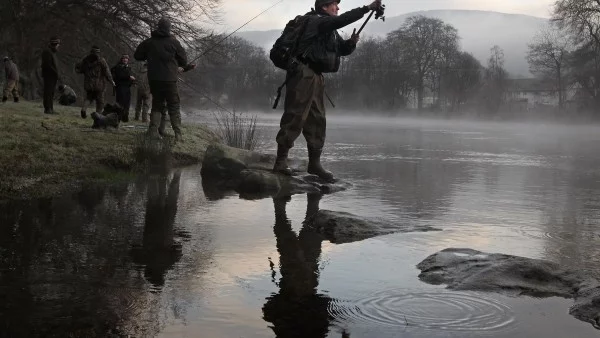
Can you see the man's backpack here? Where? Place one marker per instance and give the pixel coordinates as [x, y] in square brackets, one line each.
[286, 46]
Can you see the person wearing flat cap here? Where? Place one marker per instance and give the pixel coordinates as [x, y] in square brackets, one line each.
[96, 73]
[50, 74]
[124, 79]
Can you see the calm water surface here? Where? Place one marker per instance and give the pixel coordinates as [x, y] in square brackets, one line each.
[160, 257]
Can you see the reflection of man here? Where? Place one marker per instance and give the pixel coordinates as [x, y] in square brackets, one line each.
[159, 252]
[297, 310]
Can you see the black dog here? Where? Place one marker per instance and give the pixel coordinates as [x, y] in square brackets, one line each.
[109, 117]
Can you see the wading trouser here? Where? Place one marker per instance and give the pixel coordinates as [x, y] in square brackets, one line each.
[49, 86]
[11, 87]
[304, 109]
[142, 105]
[165, 92]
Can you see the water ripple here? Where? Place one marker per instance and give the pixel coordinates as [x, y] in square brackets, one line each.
[432, 310]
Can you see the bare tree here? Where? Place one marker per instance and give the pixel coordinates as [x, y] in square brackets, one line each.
[547, 57]
[581, 16]
[424, 42]
[494, 80]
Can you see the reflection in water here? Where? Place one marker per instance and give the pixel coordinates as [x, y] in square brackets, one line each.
[298, 310]
[159, 252]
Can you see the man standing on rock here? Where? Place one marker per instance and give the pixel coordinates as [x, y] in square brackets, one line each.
[50, 74]
[124, 79]
[11, 84]
[95, 74]
[319, 52]
[164, 55]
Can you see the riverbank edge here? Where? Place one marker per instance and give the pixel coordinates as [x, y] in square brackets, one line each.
[46, 155]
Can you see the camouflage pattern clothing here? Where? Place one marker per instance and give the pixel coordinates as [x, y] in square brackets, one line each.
[11, 83]
[95, 72]
[67, 95]
[143, 96]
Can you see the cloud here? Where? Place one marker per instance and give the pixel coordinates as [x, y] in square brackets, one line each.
[237, 12]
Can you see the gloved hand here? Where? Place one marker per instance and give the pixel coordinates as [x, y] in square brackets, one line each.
[375, 5]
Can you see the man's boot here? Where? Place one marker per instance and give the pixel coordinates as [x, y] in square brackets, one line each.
[314, 164]
[16, 99]
[281, 165]
[4, 99]
[83, 114]
[153, 127]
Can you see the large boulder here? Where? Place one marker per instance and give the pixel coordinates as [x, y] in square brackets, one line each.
[467, 269]
[249, 173]
[342, 227]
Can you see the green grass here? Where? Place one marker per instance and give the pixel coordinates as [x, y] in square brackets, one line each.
[42, 155]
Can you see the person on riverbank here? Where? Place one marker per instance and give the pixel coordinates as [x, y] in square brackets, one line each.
[124, 79]
[95, 72]
[50, 74]
[11, 80]
[164, 55]
[319, 51]
[143, 95]
[66, 96]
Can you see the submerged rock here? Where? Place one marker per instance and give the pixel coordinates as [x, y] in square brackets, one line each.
[249, 173]
[467, 269]
[342, 227]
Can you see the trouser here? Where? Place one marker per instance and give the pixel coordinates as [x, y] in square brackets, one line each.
[165, 94]
[11, 87]
[123, 98]
[94, 95]
[304, 109]
[49, 86]
[142, 105]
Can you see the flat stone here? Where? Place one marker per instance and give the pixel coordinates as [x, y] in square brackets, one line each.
[342, 227]
[467, 269]
[250, 174]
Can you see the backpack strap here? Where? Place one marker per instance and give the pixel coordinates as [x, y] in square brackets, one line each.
[296, 45]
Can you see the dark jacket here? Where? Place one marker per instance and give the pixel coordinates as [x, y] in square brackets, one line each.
[164, 55]
[321, 45]
[11, 71]
[49, 64]
[121, 74]
[95, 72]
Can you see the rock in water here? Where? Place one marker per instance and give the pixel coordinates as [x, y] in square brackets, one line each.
[467, 269]
[342, 227]
[249, 173]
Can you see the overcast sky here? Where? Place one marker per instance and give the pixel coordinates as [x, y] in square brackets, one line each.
[236, 12]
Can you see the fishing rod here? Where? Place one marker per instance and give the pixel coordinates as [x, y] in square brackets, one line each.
[235, 31]
[379, 13]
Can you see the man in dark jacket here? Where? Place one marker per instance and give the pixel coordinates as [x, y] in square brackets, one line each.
[123, 77]
[95, 74]
[11, 83]
[50, 74]
[164, 55]
[319, 49]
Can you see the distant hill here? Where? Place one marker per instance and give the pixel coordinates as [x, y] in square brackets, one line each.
[479, 31]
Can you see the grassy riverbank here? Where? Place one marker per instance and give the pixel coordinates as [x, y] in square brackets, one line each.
[42, 155]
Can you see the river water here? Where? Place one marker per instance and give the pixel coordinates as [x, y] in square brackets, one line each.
[159, 256]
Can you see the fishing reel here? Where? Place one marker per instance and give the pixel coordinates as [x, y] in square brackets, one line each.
[380, 12]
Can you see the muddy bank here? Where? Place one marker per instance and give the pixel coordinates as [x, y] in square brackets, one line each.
[248, 173]
[467, 269]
